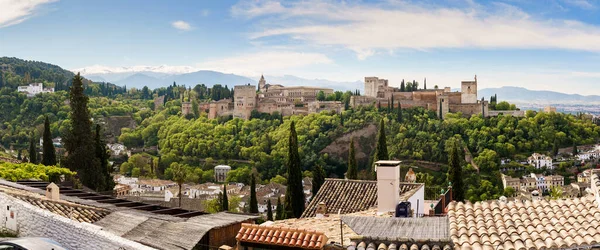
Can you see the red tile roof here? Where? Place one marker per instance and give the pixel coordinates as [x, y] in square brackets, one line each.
[285, 237]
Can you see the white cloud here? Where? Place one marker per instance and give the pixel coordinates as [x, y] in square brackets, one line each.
[584, 4]
[16, 11]
[181, 25]
[271, 62]
[366, 29]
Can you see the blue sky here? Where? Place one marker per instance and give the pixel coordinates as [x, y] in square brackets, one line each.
[538, 44]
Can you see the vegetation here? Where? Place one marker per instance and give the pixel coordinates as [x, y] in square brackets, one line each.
[269, 211]
[279, 214]
[49, 152]
[352, 167]
[381, 150]
[225, 200]
[294, 194]
[32, 150]
[318, 178]
[24, 171]
[179, 176]
[253, 200]
[455, 173]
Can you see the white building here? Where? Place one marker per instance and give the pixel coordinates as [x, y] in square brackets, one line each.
[57, 142]
[540, 161]
[116, 148]
[35, 88]
[592, 154]
[221, 173]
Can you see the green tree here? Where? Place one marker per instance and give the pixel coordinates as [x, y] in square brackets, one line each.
[381, 151]
[225, 202]
[49, 153]
[102, 155]
[575, 152]
[253, 201]
[455, 171]
[279, 214]
[19, 157]
[321, 96]
[399, 113]
[279, 180]
[556, 193]
[509, 192]
[79, 141]
[269, 210]
[318, 179]
[352, 167]
[32, 150]
[402, 86]
[179, 175]
[294, 195]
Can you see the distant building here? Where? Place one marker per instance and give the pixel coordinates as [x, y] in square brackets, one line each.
[540, 161]
[221, 173]
[35, 88]
[550, 109]
[592, 154]
[508, 181]
[57, 142]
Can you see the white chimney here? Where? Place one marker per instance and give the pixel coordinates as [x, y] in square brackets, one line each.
[388, 185]
[52, 192]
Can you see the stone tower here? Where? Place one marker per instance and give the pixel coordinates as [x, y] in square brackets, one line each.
[469, 91]
[372, 85]
[262, 84]
[443, 104]
[244, 100]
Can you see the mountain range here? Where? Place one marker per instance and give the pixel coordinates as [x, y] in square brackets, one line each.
[522, 95]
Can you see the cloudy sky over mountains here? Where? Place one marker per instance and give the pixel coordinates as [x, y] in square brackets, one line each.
[550, 44]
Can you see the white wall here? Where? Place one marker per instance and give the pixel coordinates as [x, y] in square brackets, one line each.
[36, 222]
[418, 198]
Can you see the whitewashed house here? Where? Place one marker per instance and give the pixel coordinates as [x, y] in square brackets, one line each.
[540, 161]
[34, 88]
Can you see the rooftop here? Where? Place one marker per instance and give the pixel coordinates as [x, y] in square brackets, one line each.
[531, 224]
[281, 236]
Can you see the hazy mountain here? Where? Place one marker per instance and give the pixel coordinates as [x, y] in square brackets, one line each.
[289, 80]
[523, 95]
[139, 80]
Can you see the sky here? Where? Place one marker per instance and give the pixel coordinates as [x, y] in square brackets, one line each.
[536, 44]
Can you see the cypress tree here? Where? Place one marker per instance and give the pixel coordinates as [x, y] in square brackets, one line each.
[381, 152]
[399, 116]
[49, 157]
[102, 155]
[318, 179]
[294, 195]
[555, 148]
[440, 112]
[32, 150]
[455, 172]
[575, 152]
[253, 201]
[392, 102]
[402, 87]
[425, 83]
[19, 155]
[225, 203]
[79, 141]
[279, 210]
[352, 168]
[269, 210]
[388, 106]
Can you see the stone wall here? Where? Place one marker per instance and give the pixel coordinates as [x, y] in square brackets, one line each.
[515, 113]
[469, 109]
[32, 221]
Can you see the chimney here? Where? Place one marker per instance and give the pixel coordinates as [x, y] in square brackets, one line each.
[52, 192]
[321, 210]
[388, 185]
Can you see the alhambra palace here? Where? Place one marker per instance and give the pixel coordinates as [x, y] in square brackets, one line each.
[271, 98]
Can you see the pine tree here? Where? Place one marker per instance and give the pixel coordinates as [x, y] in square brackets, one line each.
[102, 155]
[225, 203]
[318, 179]
[455, 172]
[79, 141]
[381, 151]
[49, 157]
[32, 150]
[294, 195]
[279, 210]
[352, 168]
[253, 201]
[269, 210]
[402, 86]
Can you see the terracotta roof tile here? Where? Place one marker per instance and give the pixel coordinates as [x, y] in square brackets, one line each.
[541, 224]
[288, 237]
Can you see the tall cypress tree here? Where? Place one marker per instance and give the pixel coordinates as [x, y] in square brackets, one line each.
[32, 150]
[294, 195]
[440, 112]
[455, 171]
[402, 87]
[269, 210]
[555, 148]
[381, 151]
[49, 156]
[399, 115]
[253, 201]
[318, 179]
[575, 152]
[102, 155]
[19, 155]
[352, 168]
[425, 83]
[279, 210]
[79, 141]
[225, 203]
